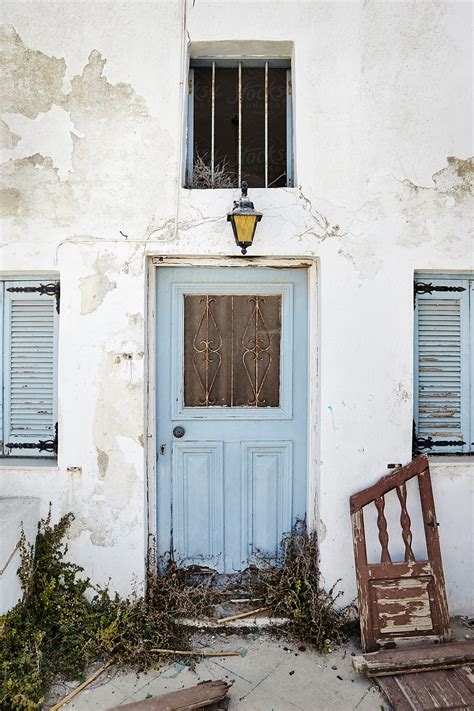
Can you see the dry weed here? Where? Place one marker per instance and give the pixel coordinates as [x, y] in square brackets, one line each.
[203, 177]
[292, 588]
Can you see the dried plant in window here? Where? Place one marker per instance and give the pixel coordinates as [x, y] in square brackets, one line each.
[204, 178]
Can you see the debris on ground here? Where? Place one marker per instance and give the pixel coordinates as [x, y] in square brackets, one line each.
[261, 678]
[82, 686]
[249, 613]
[413, 659]
[204, 694]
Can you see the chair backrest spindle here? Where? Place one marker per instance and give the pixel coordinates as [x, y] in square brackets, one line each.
[405, 522]
[383, 533]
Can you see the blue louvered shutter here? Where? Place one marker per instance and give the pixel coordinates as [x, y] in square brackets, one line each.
[442, 387]
[30, 336]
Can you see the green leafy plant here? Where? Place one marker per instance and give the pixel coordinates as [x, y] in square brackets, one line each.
[63, 623]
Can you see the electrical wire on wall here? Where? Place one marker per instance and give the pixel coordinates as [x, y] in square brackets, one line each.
[182, 83]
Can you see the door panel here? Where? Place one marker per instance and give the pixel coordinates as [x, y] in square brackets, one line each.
[232, 373]
[198, 502]
[266, 496]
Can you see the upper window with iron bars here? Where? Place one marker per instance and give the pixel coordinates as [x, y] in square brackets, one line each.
[239, 124]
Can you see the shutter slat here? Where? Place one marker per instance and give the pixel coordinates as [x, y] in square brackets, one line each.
[30, 336]
[441, 370]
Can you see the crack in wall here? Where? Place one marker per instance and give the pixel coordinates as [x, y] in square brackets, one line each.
[438, 214]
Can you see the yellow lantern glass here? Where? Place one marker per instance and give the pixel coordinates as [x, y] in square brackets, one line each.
[244, 226]
[244, 220]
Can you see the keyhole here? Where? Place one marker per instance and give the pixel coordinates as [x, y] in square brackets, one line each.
[162, 448]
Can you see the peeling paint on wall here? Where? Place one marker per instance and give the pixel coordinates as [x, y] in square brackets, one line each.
[417, 214]
[402, 394]
[8, 139]
[135, 320]
[322, 531]
[457, 178]
[39, 192]
[117, 438]
[50, 134]
[31, 81]
[9, 201]
[108, 161]
[102, 462]
[94, 289]
[92, 96]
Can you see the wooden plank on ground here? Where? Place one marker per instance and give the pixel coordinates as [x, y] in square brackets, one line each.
[203, 694]
[446, 689]
[411, 659]
[393, 692]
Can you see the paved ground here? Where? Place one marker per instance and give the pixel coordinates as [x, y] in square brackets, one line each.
[270, 675]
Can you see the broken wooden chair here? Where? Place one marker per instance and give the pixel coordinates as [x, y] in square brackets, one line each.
[404, 599]
[405, 602]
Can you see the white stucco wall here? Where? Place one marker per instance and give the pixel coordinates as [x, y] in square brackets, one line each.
[91, 179]
[17, 514]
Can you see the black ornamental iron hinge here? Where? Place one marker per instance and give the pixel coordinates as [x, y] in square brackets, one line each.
[46, 445]
[422, 287]
[421, 444]
[52, 289]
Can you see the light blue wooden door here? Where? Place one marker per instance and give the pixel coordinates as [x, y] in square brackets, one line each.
[232, 385]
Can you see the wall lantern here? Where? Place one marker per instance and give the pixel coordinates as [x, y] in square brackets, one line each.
[244, 220]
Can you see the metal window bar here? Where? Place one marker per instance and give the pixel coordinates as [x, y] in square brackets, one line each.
[190, 135]
[240, 126]
[266, 124]
[213, 116]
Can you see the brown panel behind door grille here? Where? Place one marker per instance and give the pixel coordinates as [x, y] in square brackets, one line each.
[232, 350]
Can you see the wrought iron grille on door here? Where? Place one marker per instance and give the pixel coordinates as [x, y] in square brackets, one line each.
[232, 350]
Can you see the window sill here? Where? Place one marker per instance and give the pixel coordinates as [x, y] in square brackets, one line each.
[262, 189]
[37, 463]
[451, 459]
[236, 188]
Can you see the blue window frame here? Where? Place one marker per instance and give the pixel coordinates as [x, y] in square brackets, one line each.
[28, 343]
[444, 364]
[240, 123]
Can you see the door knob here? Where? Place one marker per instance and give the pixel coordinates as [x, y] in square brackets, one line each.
[178, 432]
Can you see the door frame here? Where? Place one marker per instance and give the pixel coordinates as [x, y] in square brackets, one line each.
[155, 262]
